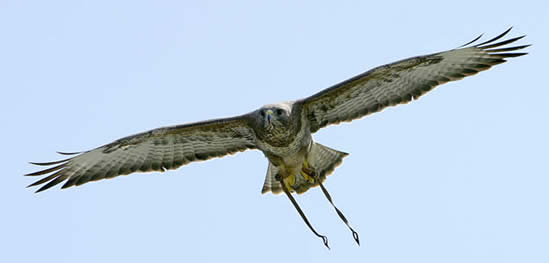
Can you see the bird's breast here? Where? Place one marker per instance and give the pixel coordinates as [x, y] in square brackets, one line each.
[285, 144]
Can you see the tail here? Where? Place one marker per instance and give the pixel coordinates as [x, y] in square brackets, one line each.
[321, 159]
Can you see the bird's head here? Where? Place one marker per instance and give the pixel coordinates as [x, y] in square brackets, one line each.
[274, 116]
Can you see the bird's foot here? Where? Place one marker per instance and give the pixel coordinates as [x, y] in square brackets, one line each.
[307, 176]
[290, 182]
[308, 172]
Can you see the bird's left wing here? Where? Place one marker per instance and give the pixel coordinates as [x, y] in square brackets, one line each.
[155, 150]
[402, 81]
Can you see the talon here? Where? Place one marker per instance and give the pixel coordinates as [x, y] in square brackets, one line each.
[308, 172]
[290, 182]
[307, 177]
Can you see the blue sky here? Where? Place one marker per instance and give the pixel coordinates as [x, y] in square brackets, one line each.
[458, 176]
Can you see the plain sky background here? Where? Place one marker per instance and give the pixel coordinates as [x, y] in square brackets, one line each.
[458, 176]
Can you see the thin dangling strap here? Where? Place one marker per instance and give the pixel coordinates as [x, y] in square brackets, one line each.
[355, 234]
[287, 192]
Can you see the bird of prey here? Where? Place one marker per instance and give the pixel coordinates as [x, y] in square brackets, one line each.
[283, 131]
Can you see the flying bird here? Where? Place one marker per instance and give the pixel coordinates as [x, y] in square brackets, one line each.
[283, 131]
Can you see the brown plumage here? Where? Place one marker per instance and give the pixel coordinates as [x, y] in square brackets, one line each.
[283, 132]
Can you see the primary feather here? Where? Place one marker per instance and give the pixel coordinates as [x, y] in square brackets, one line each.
[402, 81]
[155, 150]
[286, 138]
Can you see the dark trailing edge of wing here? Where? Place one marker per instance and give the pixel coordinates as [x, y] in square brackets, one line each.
[493, 56]
[496, 56]
[70, 170]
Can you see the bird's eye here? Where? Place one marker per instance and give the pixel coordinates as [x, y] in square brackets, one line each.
[279, 112]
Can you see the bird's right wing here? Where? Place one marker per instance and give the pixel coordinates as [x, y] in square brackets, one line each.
[155, 150]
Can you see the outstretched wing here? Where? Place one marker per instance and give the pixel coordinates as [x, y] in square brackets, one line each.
[155, 150]
[402, 81]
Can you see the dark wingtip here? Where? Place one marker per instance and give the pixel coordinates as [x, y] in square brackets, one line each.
[495, 38]
[40, 190]
[50, 163]
[497, 50]
[66, 185]
[472, 41]
[69, 153]
[505, 42]
[40, 181]
[510, 55]
[56, 162]
[53, 182]
[46, 179]
[45, 171]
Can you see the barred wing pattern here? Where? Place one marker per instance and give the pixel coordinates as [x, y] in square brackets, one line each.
[155, 150]
[402, 81]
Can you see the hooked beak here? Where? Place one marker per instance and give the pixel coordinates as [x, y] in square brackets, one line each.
[268, 115]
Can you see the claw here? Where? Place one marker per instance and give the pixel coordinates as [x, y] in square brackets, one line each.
[307, 177]
[307, 172]
[290, 182]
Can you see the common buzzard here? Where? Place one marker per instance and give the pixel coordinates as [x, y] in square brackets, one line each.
[283, 131]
